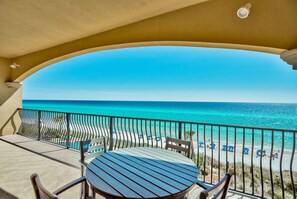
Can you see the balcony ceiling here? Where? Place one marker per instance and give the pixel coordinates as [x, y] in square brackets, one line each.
[38, 33]
[32, 25]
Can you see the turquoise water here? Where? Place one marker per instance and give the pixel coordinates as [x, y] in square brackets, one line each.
[267, 115]
[270, 115]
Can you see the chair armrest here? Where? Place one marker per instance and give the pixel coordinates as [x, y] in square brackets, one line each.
[69, 185]
[202, 185]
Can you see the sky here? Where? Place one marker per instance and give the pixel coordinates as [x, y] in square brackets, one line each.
[167, 74]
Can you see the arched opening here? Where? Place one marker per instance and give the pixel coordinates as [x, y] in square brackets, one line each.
[213, 100]
[232, 102]
[168, 73]
[36, 61]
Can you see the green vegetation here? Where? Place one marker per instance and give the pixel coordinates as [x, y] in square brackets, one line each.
[189, 135]
[29, 130]
[59, 119]
[249, 179]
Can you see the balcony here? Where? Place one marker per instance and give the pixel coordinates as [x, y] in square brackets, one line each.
[263, 160]
[55, 164]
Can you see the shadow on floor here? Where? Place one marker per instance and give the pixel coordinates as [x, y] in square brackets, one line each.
[25, 141]
[53, 151]
[41, 154]
[5, 195]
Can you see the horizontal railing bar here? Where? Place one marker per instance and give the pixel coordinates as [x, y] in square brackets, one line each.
[164, 120]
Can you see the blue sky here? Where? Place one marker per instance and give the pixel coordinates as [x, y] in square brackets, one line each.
[167, 74]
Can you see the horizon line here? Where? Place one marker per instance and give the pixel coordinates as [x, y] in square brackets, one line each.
[176, 101]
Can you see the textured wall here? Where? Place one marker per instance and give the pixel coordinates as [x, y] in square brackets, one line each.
[10, 100]
[271, 28]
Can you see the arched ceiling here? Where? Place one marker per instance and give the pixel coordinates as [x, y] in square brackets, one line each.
[32, 25]
[49, 31]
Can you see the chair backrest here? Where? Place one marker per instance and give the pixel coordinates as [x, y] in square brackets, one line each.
[92, 148]
[40, 191]
[178, 145]
[219, 190]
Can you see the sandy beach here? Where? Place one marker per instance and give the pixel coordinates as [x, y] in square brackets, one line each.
[218, 154]
[121, 139]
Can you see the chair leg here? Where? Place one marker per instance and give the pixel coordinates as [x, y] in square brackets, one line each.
[82, 185]
[86, 190]
[93, 193]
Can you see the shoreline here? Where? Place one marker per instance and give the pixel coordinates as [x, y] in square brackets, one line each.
[216, 153]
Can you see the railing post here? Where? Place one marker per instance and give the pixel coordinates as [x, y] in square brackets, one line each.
[179, 130]
[68, 130]
[111, 133]
[39, 125]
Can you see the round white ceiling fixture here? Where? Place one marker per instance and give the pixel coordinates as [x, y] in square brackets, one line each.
[244, 11]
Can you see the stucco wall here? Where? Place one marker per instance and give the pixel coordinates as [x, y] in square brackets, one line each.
[209, 24]
[10, 100]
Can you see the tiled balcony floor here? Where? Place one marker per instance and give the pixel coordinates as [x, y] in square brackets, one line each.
[56, 166]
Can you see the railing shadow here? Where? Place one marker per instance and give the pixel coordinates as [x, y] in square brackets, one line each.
[42, 154]
[11, 119]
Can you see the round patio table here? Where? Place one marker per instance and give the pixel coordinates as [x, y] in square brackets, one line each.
[142, 172]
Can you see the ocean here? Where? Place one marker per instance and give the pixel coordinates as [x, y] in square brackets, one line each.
[270, 115]
[258, 115]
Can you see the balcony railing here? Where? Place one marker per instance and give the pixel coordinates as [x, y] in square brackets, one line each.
[262, 159]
